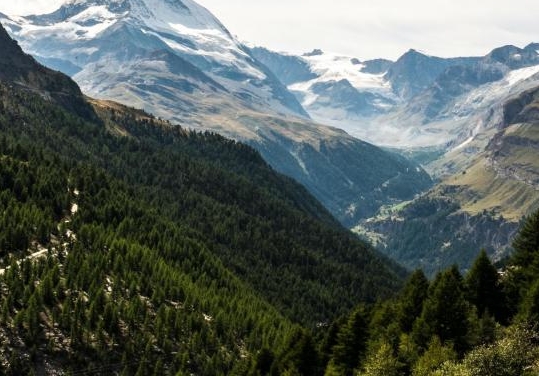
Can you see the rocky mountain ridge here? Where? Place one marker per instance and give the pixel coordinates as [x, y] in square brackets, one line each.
[419, 101]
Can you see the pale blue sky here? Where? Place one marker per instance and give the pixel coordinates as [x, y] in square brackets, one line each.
[365, 29]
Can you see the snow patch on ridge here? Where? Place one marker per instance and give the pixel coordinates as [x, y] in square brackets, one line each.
[332, 67]
[68, 30]
[94, 14]
[521, 74]
[80, 21]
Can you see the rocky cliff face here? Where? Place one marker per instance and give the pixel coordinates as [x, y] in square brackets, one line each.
[414, 72]
[522, 109]
[433, 233]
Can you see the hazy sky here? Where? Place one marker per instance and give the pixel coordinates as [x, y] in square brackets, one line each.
[365, 29]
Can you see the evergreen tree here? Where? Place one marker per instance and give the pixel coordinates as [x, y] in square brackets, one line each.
[300, 354]
[32, 320]
[262, 363]
[529, 309]
[445, 312]
[482, 287]
[381, 362]
[523, 268]
[526, 246]
[47, 290]
[410, 303]
[351, 344]
[433, 358]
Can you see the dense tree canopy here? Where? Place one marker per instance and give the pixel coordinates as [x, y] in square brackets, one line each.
[178, 251]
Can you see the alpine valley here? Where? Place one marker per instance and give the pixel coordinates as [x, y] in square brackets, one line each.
[175, 202]
[460, 118]
[177, 61]
[131, 244]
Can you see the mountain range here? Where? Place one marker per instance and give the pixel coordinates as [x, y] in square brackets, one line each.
[434, 119]
[481, 206]
[416, 101]
[452, 115]
[177, 61]
[131, 245]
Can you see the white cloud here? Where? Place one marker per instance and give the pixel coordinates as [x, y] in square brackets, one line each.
[365, 28]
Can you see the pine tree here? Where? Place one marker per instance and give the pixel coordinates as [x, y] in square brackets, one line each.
[47, 290]
[351, 342]
[300, 354]
[445, 312]
[526, 247]
[524, 264]
[410, 304]
[263, 362]
[483, 288]
[32, 320]
[529, 309]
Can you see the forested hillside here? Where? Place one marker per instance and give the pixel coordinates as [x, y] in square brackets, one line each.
[483, 323]
[130, 245]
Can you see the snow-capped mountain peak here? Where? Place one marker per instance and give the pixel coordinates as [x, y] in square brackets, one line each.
[335, 67]
[154, 12]
[89, 17]
[84, 38]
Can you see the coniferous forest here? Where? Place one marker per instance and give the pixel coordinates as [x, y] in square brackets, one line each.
[131, 246]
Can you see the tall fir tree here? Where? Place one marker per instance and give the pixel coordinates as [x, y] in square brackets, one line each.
[411, 299]
[529, 308]
[526, 246]
[445, 312]
[351, 344]
[483, 288]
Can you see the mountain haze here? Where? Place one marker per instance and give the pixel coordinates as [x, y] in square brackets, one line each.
[488, 186]
[175, 60]
[171, 203]
[418, 101]
[452, 116]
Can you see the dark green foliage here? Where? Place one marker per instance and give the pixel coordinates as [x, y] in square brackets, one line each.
[529, 309]
[187, 253]
[458, 325]
[264, 227]
[263, 362]
[526, 246]
[300, 355]
[523, 267]
[433, 233]
[351, 343]
[410, 302]
[526, 255]
[483, 287]
[445, 312]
